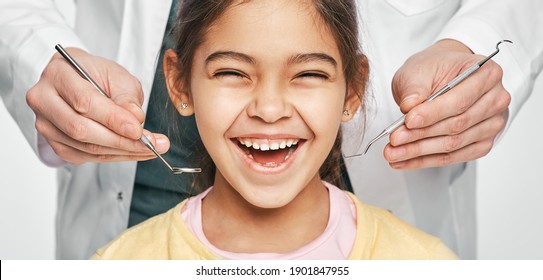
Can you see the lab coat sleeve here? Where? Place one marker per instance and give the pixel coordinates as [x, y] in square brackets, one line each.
[29, 30]
[480, 24]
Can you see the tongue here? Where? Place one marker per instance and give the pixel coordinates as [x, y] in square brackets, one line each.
[271, 156]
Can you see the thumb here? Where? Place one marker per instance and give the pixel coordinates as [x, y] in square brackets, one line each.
[409, 89]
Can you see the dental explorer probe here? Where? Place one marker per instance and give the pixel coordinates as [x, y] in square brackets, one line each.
[401, 121]
[143, 139]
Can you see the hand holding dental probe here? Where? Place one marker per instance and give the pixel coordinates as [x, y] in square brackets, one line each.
[143, 139]
[458, 79]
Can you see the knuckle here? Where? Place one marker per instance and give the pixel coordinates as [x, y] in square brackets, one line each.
[51, 70]
[504, 100]
[77, 130]
[499, 123]
[136, 83]
[453, 143]
[496, 71]
[463, 105]
[486, 147]
[459, 125]
[40, 125]
[30, 97]
[492, 72]
[111, 120]
[136, 87]
[82, 103]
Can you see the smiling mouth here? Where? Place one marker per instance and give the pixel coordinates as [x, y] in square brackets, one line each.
[268, 152]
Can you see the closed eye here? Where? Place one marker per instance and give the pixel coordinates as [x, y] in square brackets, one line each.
[229, 73]
[312, 74]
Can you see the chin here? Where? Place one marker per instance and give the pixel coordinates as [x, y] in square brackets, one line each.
[269, 197]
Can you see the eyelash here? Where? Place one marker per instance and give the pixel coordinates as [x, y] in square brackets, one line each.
[223, 73]
[237, 74]
[312, 74]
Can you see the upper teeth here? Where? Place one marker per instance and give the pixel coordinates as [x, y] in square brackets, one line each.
[267, 144]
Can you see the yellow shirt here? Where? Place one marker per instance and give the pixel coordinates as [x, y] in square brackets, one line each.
[380, 235]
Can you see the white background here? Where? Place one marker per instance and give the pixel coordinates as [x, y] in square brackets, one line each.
[510, 192]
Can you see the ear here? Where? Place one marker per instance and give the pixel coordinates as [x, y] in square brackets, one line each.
[352, 102]
[356, 89]
[176, 86]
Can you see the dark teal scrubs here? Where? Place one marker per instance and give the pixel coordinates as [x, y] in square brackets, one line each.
[156, 190]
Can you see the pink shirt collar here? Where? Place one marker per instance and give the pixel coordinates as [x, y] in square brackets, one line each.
[335, 242]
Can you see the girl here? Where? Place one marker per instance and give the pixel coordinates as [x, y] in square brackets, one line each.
[269, 83]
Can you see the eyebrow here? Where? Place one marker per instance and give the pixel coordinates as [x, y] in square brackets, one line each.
[229, 55]
[295, 59]
[310, 57]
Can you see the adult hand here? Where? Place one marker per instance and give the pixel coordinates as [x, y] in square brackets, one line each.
[460, 125]
[79, 123]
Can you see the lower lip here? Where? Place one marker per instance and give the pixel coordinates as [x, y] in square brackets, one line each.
[268, 170]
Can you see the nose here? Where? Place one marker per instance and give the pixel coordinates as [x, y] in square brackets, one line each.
[269, 103]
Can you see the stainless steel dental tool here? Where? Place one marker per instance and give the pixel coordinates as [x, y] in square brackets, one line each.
[401, 121]
[143, 139]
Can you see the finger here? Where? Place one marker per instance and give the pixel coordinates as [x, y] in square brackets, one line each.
[446, 144]
[51, 133]
[490, 104]
[134, 109]
[408, 87]
[468, 153]
[86, 101]
[86, 130]
[78, 152]
[457, 100]
[76, 156]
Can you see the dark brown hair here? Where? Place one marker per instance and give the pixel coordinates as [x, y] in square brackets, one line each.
[195, 17]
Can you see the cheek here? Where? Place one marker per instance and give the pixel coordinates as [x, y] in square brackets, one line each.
[215, 113]
[322, 112]
[211, 115]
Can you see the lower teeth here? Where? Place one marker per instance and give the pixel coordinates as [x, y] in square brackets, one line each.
[275, 164]
[271, 164]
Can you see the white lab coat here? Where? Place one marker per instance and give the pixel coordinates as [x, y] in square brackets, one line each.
[94, 199]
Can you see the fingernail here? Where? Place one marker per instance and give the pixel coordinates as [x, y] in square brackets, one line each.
[129, 130]
[415, 121]
[161, 143]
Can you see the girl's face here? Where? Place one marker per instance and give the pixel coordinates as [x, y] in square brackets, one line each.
[268, 92]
